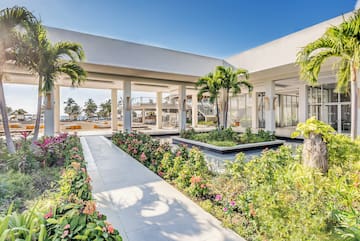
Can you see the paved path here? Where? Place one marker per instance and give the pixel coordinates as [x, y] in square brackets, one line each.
[141, 205]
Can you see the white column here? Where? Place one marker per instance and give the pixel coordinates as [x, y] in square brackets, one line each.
[194, 110]
[114, 101]
[254, 112]
[49, 114]
[269, 108]
[182, 107]
[159, 110]
[303, 103]
[127, 106]
[57, 108]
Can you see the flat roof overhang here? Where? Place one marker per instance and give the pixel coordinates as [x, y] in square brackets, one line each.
[110, 77]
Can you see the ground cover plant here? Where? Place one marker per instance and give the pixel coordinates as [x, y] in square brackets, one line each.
[273, 196]
[67, 210]
[228, 137]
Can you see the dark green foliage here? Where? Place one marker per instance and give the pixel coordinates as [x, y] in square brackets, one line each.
[228, 137]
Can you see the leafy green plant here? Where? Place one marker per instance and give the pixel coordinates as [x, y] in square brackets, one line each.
[28, 225]
[79, 220]
[348, 228]
[312, 125]
[228, 137]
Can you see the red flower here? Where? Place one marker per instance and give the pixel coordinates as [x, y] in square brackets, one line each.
[49, 214]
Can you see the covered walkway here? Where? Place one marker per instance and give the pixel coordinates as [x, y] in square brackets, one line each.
[140, 204]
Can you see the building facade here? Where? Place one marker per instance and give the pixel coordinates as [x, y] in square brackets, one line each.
[277, 103]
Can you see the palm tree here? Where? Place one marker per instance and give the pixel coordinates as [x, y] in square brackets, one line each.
[210, 84]
[342, 42]
[90, 108]
[72, 109]
[105, 109]
[48, 61]
[232, 80]
[10, 18]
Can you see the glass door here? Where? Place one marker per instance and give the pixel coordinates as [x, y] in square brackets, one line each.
[345, 118]
[331, 116]
[261, 109]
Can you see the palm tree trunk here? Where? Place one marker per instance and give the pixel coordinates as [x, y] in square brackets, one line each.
[354, 104]
[38, 113]
[217, 113]
[4, 116]
[226, 109]
[315, 153]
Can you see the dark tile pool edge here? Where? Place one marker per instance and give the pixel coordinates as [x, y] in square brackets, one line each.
[224, 150]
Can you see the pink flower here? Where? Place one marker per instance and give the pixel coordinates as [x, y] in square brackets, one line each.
[110, 229]
[49, 214]
[225, 209]
[218, 197]
[67, 226]
[232, 203]
[65, 233]
[178, 153]
[143, 157]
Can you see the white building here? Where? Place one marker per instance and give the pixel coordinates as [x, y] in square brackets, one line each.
[278, 102]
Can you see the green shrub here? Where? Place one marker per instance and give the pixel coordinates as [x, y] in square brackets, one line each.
[222, 143]
[66, 213]
[79, 220]
[228, 137]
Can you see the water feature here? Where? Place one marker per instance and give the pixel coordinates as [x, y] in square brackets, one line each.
[217, 160]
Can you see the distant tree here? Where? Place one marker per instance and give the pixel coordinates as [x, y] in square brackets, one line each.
[90, 108]
[105, 109]
[72, 109]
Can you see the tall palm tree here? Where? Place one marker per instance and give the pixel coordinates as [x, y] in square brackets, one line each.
[105, 109]
[210, 84]
[90, 108]
[48, 61]
[72, 109]
[232, 80]
[10, 18]
[342, 42]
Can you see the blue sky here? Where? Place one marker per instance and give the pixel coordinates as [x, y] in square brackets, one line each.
[218, 28]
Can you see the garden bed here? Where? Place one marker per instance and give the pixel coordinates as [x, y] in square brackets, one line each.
[227, 149]
[271, 197]
[66, 211]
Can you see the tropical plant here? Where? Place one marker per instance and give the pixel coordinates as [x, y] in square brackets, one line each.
[105, 109]
[316, 134]
[10, 18]
[72, 109]
[90, 108]
[343, 43]
[48, 61]
[210, 84]
[231, 80]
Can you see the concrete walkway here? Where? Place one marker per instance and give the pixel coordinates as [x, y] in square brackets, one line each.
[141, 205]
